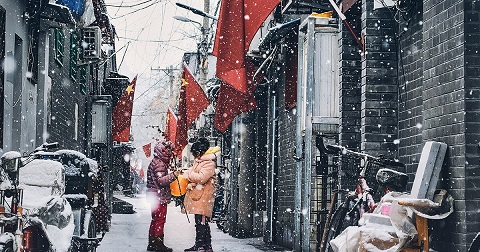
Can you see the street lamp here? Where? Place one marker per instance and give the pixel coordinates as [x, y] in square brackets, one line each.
[196, 11]
[203, 46]
[186, 20]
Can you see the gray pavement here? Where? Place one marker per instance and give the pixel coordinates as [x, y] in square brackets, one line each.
[129, 232]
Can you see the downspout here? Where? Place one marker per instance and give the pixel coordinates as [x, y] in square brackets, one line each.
[272, 168]
[298, 150]
[306, 199]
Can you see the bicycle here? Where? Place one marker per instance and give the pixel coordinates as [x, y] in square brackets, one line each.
[222, 200]
[360, 200]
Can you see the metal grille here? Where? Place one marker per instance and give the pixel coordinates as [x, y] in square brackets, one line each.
[324, 181]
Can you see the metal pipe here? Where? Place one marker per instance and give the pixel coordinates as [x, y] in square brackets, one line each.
[298, 152]
[309, 85]
[272, 167]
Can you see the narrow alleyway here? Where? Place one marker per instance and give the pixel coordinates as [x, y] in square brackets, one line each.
[129, 232]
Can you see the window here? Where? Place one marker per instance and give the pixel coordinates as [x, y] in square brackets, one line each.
[83, 79]
[73, 57]
[59, 46]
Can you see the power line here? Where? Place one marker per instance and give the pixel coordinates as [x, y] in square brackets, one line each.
[127, 6]
[143, 8]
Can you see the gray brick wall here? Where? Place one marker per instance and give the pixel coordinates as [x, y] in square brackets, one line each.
[443, 104]
[379, 89]
[65, 94]
[286, 168]
[410, 80]
[349, 81]
[472, 118]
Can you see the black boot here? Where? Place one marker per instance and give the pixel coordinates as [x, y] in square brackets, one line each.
[160, 246]
[199, 239]
[151, 243]
[208, 238]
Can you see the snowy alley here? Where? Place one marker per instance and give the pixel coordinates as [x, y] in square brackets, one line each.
[129, 232]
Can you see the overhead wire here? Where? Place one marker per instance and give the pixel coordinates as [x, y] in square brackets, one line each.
[128, 6]
[137, 10]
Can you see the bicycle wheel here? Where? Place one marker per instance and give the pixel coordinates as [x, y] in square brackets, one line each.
[475, 246]
[336, 226]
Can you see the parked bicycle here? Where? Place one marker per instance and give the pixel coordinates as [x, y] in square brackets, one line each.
[361, 199]
[222, 199]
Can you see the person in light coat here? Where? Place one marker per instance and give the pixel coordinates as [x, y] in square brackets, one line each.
[158, 192]
[200, 196]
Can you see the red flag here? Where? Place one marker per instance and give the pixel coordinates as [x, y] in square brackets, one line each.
[230, 103]
[191, 104]
[238, 22]
[196, 100]
[170, 126]
[181, 130]
[147, 148]
[122, 114]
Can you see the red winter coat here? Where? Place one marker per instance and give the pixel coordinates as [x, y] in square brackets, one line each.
[158, 178]
[200, 197]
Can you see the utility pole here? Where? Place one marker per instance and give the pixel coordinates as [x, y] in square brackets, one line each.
[204, 45]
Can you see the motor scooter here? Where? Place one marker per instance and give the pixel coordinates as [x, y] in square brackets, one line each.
[35, 212]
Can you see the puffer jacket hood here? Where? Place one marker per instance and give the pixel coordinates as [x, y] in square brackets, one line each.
[163, 151]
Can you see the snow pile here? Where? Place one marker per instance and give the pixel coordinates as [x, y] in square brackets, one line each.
[11, 155]
[74, 161]
[43, 173]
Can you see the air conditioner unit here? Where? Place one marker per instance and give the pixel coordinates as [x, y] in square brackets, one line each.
[91, 43]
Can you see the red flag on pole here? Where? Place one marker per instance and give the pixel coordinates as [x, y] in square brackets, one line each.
[232, 102]
[170, 126]
[122, 114]
[238, 22]
[196, 100]
[147, 148]
[191, 104]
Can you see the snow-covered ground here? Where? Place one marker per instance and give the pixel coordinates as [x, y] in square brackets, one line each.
[129, 232]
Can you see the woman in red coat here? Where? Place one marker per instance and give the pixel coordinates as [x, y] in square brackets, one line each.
[158, 191]
[200, 195]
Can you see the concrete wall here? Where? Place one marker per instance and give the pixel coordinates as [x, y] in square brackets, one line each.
[19, 102]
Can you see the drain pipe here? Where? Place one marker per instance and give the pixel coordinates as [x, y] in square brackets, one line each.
[297, 237]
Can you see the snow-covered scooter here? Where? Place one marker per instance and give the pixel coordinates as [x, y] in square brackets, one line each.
[35, 213]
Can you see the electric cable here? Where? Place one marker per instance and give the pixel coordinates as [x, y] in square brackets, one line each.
[128, 6]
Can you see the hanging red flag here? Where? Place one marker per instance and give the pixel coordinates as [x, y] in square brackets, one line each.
[231, 103]
[191, 104]
[181, 130]
[170, 126]
[147, 148]
[238, 22]
[196, 100]
[122, 114]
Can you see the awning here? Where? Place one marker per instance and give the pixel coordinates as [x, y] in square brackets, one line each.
[276, 33]
[304, 6]
[57, 13]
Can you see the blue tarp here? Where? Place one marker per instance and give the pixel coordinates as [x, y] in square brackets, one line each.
[77, 7]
